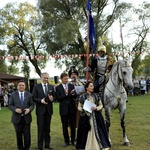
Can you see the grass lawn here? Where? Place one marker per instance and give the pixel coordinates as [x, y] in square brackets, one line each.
[137, 127]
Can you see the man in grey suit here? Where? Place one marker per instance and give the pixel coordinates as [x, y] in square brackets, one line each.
[43, 97]
[21, 104]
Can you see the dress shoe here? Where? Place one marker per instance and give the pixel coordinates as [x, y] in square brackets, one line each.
[65, 144]
[105, 149]
[48, 148]
[72, 144]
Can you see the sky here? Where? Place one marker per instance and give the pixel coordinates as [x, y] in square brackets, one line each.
[50, 65]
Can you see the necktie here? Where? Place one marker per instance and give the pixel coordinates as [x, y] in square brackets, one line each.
[46, 90]
[21, 99]
[66, 88]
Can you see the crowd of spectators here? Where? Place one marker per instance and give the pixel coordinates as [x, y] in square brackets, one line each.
[5, 94]
[141, 86]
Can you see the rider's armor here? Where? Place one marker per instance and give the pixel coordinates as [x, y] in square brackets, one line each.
[101, 64]
[104, 65]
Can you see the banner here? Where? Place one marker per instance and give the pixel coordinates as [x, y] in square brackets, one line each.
[48, 57]
[91, 29]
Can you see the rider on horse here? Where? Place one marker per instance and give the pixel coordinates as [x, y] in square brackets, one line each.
[101, 65]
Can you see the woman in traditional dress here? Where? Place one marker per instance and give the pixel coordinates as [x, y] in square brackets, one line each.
[92, 133]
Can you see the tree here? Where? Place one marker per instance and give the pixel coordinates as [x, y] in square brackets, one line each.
[26, 69]
[23, 33]
[65, 23]
[146, 65]
[140, 31]
[3, 65]
[12, 69]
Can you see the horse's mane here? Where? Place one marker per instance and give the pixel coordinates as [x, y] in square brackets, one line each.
[122, 63]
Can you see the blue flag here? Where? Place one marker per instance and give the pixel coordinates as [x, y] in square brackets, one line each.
[92, 36]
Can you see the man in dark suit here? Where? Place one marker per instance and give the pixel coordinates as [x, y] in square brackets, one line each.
[65, 94]
[21, 105]
[43, 96]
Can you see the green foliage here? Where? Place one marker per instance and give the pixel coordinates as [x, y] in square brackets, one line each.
[23, 32]
[60, 27]
[140, 29]
[12, 69]
[137, 65]
[9, 69]
[65, 23]
[146, 65]
[3, 65]
[26, 69]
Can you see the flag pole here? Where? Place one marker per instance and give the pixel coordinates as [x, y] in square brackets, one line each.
[87, 47]
[121, 36]
[90, 35]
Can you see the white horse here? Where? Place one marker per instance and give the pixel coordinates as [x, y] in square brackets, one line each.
[115, 95]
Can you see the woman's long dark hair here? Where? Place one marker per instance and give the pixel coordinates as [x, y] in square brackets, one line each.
[87, 84]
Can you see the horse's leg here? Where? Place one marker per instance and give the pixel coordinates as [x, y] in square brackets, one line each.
[122, 118]
[107, 115]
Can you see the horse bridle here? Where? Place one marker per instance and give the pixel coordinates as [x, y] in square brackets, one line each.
[121, 78]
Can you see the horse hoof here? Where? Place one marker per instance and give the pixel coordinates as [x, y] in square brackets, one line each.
[126, 143]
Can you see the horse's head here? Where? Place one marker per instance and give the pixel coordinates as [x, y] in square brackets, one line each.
[125, 74]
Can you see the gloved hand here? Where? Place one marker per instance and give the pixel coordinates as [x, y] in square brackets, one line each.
[87, 69]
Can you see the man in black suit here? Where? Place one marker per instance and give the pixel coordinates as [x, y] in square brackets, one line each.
[21, 105]
[43, 96]
[65, 93]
